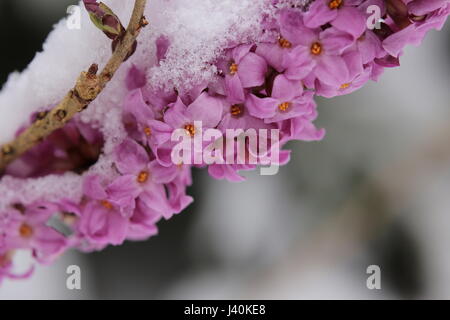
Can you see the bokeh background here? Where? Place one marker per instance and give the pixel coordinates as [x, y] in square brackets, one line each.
[376, 191]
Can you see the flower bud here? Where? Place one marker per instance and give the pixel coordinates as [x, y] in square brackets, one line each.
[104, 19]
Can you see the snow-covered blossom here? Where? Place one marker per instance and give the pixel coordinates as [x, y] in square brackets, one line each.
[304, 49]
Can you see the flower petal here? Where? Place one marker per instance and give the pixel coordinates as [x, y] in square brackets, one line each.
[130, 157]
[206, 109]
[93, 188]
[273, 54]
[122, 192]
[252, 70]
[319, 14]
[350, 20]
[332, 70]
[162, 174]
[240, 52]
[135, 104]
[285, 90]
[261, 107]
[234, 88]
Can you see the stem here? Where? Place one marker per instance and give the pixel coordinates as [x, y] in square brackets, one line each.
[88, 86]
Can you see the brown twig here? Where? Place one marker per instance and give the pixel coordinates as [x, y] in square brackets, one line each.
[88, 86]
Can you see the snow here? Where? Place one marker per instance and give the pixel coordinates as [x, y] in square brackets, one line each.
[198, 30]
[209, 26]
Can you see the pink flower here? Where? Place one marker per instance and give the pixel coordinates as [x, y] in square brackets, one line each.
[420, 8]
[160, 189]
[27, 229]
[323, 49]
[242, 69]
[140, 121]
[287, 101]
[421, 16]
[142, 224]
[205, 109]
[104, 219]
[140, 175]
[357, 76]
[301, 128]
[308, 48]
[277, 53]
[237, 116]
[369, 46]
[341, 14]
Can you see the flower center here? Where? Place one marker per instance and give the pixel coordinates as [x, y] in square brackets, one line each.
[148, 131]
[25, 230]
[335, 4]
[190, 129]
[234, 68]
[284, 106]
[316, 48]
[237, 110]
[143, 177]
[284, 43]
[106, 204]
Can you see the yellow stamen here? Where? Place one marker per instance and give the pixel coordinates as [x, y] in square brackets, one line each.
[190, 129]
[335, 4]
[284, 106]
[234, 69]
[106, 204]
[142, 177]
[236, 110]
[345, 86]
[316, 48]
[25, 231]
[148, 131]
[284, 43]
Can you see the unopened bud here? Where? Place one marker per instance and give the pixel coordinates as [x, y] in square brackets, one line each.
[104, 19]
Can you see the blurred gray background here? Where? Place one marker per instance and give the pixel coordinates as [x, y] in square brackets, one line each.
[376, 191]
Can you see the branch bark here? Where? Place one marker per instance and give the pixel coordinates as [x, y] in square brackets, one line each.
[88, 86]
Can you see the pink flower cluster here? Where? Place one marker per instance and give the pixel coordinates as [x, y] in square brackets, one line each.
[322, 47]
